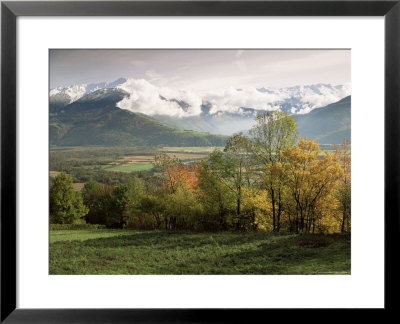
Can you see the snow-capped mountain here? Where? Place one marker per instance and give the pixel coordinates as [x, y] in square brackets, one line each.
[96, 119]
[72, 93]
[147, 98]
[303, 99]
[223, 111]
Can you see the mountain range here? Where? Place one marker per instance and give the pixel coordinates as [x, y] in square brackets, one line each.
[116, 114]
[94, 119]
[327, 125]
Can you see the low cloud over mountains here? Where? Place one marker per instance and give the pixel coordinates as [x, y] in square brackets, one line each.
[147, 98]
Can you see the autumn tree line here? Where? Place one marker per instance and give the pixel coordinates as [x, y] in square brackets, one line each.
[265, 180]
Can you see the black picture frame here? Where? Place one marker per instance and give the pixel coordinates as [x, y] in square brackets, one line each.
[10, 10]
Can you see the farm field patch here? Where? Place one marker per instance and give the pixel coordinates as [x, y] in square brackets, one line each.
[130, 168]
[123, 159]
[189, 149]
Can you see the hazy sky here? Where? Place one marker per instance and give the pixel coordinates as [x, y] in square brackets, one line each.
[202, 69]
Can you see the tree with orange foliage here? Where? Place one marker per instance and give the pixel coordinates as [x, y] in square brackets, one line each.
[181, 176]
[180, 185]
[176, 174]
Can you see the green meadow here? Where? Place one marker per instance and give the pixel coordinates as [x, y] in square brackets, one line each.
[104, 251]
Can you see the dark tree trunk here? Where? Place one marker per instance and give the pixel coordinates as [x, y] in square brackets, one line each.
[238, 209]
[343, 222]
[273, 210]
[158, 221]
[278, 223]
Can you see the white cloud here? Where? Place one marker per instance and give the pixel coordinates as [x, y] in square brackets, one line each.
[150, 99]
[231, 100]
[326, 96]
[192, 99]
[145, 98]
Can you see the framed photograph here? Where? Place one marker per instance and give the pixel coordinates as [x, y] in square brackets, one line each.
[197, 161]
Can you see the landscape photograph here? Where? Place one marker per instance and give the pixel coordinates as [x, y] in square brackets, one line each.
[199, 162]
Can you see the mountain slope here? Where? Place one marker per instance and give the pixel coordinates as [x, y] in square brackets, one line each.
[95, 120]
[329, 124]
[224, 123]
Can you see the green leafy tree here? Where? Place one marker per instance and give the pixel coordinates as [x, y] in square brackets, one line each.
[111, 205]
[182, 209]
[91, 191]
[343, 195]
[66, 205]
[217, 201]
[136, 189]
[343, 154]
[230, 167]
[153, 206]
[98, 199]
[273, 133]
[118, 206]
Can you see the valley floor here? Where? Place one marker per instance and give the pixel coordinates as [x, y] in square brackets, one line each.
[162, 252]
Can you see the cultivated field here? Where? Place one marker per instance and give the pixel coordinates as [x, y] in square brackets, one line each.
[161, 252]
[131, 167]
[122, 159]
[188, 149]
[129, 163]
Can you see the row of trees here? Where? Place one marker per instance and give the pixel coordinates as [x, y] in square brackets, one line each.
[264, 180]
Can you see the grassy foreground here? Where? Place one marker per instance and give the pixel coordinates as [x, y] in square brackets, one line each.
[161, 252]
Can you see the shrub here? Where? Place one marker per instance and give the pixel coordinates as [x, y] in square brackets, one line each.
[60, 227]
